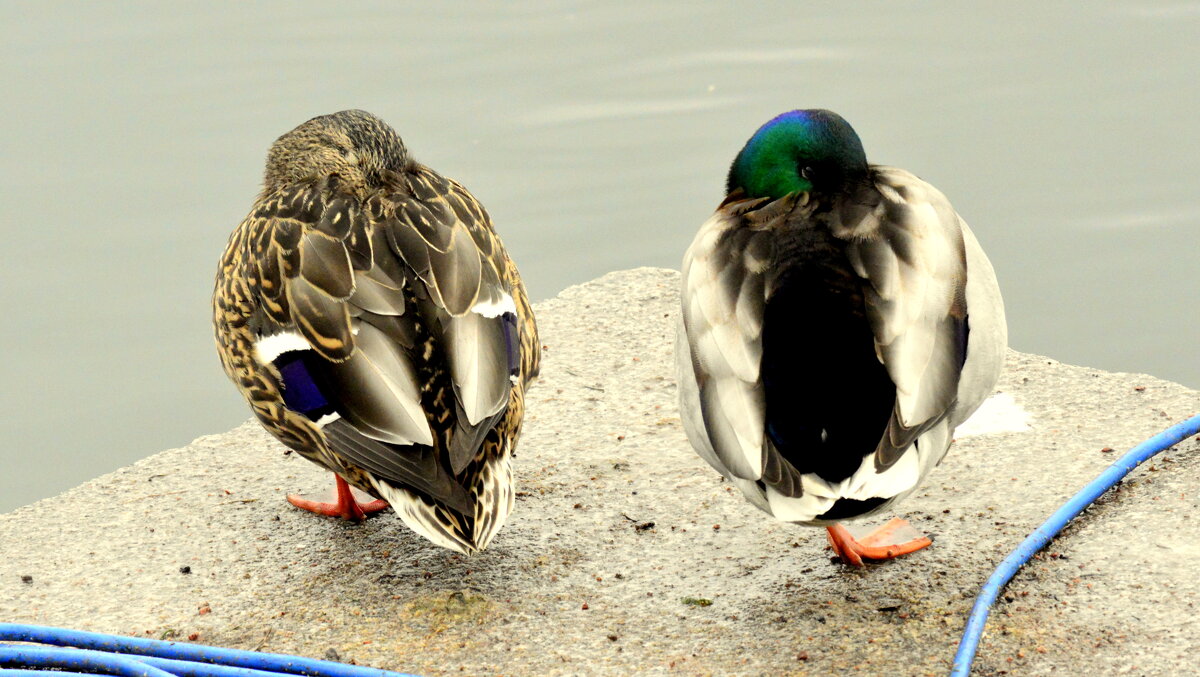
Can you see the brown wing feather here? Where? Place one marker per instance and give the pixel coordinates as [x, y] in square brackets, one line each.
[441, 246]
[315, 276]
[427, 271]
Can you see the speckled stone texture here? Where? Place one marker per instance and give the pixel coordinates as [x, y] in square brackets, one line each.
[626, 553]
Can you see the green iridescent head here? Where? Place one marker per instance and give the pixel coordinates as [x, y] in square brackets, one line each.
[801, 150]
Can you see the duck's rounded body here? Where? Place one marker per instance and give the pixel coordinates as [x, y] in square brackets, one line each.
[371, 317]
[839, 320]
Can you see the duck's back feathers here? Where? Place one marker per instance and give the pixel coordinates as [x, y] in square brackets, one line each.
[382, 331]
[380, 279]
[831, 343]
[905, 242]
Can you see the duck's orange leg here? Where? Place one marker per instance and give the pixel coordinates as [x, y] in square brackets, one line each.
[348, 502]
[876, 545]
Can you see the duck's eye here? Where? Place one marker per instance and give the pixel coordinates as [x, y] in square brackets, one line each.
[807, 172]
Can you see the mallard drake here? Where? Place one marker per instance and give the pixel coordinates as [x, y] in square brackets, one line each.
[369, 314]
[839, 320]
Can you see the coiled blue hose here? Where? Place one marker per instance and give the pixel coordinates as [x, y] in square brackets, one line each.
[1004, 573]
[91, 652]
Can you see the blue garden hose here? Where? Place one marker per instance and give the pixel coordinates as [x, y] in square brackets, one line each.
[92, 652]
[1050, 528]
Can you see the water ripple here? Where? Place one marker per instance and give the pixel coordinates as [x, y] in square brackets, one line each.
[608, 110]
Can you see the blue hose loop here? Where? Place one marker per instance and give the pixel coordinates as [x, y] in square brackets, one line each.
[70, 658]
[79, 661]
[1037, 540]
[15, 672]
[93, 652]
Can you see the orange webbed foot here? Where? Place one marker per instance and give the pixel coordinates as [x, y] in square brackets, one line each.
[879, 544]
[347, 502]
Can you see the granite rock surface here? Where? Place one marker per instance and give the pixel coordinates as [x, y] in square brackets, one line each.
[628, 554]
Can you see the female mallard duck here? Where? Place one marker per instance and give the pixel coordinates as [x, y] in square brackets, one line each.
[369, 314]
[839, 320]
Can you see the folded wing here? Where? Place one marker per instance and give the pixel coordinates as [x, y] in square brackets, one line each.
[404, 305]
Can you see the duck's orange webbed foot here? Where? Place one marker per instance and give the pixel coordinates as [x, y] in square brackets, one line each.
[879, 544]
[347, 503]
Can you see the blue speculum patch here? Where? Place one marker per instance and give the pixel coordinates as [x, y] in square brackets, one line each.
[300, 390]
[512, 343]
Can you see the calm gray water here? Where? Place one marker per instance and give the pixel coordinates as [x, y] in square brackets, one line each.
[598, 136]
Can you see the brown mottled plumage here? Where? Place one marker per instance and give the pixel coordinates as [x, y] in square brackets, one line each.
[382, 290]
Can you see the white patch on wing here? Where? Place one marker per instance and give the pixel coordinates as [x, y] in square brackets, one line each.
[327, 419]
[1000, 413]
[267, 348]
[495, 309]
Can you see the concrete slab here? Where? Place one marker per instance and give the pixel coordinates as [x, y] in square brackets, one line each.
[628, 554]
